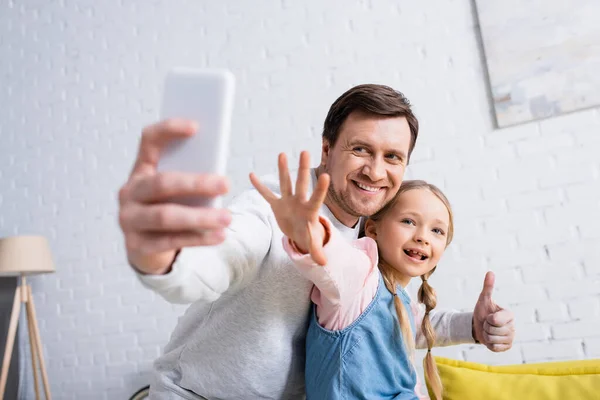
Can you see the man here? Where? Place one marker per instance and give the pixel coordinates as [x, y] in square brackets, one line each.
[243, 335]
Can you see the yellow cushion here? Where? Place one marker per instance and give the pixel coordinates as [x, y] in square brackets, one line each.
[564, 380]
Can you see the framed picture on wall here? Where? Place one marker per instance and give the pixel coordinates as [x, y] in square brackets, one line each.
[542, 57]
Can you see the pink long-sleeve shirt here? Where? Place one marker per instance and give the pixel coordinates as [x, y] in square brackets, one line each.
[347, 284]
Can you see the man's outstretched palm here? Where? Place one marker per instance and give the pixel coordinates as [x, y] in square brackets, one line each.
[298, 215]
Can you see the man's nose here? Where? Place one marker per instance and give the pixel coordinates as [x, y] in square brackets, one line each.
[375, 169]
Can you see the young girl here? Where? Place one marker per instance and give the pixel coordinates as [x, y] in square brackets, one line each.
[361, 338]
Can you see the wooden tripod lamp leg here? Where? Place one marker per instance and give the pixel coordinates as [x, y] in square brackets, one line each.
[10, 340]
[32, 346]
[38, 344]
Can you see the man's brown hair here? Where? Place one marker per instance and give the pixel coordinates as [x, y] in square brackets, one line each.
[373, 99]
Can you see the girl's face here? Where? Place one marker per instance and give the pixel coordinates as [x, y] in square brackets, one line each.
[412, 236]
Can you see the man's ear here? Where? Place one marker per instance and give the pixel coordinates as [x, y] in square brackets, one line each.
[371, 229]
[325, 148]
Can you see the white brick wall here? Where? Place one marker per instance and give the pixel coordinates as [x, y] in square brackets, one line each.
[80, 78]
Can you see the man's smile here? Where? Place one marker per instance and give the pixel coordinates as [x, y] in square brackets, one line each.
[368, 189]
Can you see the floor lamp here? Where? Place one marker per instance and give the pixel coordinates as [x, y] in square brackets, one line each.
[22, 256]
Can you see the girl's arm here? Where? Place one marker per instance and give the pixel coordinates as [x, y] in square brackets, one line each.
[345, 286]
[296, 213]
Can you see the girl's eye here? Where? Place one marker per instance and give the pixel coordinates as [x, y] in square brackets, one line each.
[408, 221]
[437, 231]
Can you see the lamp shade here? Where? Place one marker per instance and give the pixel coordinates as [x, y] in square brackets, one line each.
[25, 255]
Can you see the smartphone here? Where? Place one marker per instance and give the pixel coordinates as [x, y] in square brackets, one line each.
[205, 96]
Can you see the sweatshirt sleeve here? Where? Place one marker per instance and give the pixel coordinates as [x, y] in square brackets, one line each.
[346, 285]
[451, 327]
[206, 272]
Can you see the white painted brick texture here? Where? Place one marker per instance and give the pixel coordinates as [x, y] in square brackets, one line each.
[79, 79]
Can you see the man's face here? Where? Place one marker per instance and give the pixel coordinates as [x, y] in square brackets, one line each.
[366, 165]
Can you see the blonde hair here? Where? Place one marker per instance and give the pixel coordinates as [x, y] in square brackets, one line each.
[426, 295]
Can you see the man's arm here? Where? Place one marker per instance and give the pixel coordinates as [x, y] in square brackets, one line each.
[187, 253]
[451, 327]
[488, 324]
[206, 272]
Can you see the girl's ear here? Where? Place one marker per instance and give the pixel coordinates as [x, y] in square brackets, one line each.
[371, 229]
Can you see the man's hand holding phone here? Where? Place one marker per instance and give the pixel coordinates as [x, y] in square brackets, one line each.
[155, 228]
[172, 197]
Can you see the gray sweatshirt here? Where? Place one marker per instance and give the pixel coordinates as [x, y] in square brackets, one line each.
[243, 335]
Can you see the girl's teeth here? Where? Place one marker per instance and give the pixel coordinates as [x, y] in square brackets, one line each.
[417, 254]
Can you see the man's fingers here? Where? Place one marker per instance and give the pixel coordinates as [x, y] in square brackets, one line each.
[488, 286]
[285, 182]
[498, 348]
[505, 330]
[500, 318]
[155, 137]
[166, 185]
[172, 217]
[495, 339]
[152, 243]
[303, 179]
[320, 192]
[264, 191]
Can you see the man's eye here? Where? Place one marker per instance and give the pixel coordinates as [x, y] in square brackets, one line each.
[359, 149]
[393, 157]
